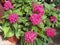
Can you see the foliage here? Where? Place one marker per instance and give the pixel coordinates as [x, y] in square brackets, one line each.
[24, 9]
[57, 2]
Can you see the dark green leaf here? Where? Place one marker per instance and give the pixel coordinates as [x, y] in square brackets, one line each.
[36, 29]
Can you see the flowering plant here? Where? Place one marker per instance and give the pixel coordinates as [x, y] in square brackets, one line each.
[30, 21]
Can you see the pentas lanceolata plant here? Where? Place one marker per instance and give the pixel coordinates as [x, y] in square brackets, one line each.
[13, 18]
[30, 21]
[8, 5]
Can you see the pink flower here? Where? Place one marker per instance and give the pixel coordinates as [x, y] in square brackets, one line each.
[53, 19]
[30, 36]
[8, 5]
[35, 19]
[50, 32]
[38, 8]
[13, 18]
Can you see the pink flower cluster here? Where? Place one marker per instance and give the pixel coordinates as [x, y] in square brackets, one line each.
[38, 9]
[35, 19]
[50, 32]
[30, 36]
[8, 5]
[53, 19]
[13, 18]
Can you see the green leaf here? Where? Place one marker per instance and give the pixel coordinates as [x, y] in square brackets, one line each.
[53, 25]
[41, 26]
[23, 19]
[10, 33]
[19, 33]
[18, 5]
[2, 21]
[18, 12]
[25, 28]
[36, 29]
[6, 15]
[45, 43]
[9, 11]
[50, 40]
[6, 24]
[29, 1]
[27, 24]
[29, 44]
[58, 25]
[26, 9]
[6, 30]
[48, 23]
[15, 26]
[49, 6]
[21, 13]
[44, 17]
[20, 26]
[22, 41]
[1, 29]
[13, 1]
[34, 43]
[43, 36]
[35, 0]
[19, 1]
[38, 42]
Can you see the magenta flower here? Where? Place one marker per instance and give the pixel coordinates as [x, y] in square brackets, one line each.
[30, 36]
[38, 9]
[13, 18]
[53, 19]
[50, 32]
[8, 5]
[35, 19]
